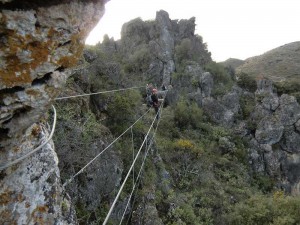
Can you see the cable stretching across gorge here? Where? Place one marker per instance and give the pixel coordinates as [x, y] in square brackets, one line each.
[96, 93]
[140, 171]
[130, 169]
[90, 162]
[6, 165]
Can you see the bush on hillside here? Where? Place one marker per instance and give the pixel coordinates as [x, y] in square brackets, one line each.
[187, 115]
[192, 49]
[222, 79]
[139, 61]
[122, 110]
[247, 82]
[261, 210]
[288, 87]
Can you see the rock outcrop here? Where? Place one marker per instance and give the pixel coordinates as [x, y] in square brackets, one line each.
[275, 149]
[39, 41]
[155, 43]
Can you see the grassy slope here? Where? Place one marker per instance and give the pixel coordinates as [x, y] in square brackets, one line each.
[279, 64]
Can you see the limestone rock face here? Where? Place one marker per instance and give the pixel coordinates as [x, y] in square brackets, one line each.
[154, 43]
[223, 111]
[291, 140]
[269, 131]
[288, 110]
[39, 41]
[166, 43]
[277, 128]
[31, 192]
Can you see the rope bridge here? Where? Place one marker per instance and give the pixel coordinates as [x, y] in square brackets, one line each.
[145, 143]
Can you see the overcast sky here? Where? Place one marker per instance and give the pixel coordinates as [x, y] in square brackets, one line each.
[231, 28]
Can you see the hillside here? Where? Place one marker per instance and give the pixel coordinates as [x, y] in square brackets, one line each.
[279, 64]
[233, 63]
[222, 149]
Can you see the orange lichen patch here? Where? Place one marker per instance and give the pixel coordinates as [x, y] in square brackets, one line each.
[18, 69]
[20, 198]
[37, 214]
[6, 197]
[36, 130]
[7, 216]
[67, 61]
[42, 209]
[17, 72]
[32, 92]
[76, 48]
[16, 149]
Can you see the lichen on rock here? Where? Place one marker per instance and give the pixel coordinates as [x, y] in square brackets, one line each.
[39, 42]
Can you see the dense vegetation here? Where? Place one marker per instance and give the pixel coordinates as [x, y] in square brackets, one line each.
[209, 180]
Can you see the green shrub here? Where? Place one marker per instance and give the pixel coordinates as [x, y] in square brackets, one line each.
[290, 87]
[247, 104]
[183, 51]
[247, 82]
[222, 79]
[187, 115]
[263, 210]
[122, 109]
[139, 61]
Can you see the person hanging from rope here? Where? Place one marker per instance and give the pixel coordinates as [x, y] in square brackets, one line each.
[156, 102]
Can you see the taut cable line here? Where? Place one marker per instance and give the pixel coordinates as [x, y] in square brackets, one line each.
[130, 169]
[96, 93]
[137, 181]
[90, 162]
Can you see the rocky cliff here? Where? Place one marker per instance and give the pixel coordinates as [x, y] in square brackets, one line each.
[220, 141]
[39, 42]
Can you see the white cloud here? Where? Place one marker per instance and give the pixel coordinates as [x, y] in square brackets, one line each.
[231, 28]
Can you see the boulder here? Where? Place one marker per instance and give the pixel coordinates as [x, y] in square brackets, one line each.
[290, 141]
[288, 110]
[269, 130]
[217, 112]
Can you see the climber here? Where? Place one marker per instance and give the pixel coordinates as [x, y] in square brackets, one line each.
[156, 102]
[149, 89]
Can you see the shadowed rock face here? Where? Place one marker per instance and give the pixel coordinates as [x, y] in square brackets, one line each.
[39, 41]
